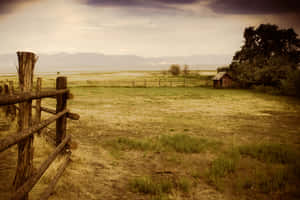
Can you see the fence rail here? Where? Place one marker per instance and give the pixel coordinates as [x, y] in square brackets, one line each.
[158, 83]
[27, 96]
[26, 178]
[14, 138]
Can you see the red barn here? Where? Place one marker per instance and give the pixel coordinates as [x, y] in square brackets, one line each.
[222, 80]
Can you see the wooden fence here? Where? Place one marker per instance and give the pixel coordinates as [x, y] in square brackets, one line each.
[26, 177]
[146, 83]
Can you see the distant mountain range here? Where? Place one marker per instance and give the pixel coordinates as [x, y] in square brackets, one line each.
[101, 62]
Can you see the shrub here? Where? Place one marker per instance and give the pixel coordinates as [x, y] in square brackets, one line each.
[174, 70]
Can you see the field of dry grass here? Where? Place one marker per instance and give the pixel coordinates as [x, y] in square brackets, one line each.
[173, 143]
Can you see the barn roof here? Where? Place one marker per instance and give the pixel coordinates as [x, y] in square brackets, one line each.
[219, 76]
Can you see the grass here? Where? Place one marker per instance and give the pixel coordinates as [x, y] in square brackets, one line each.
[147, 185]
[275, 153]
[182, 131]
[274, 170]
[272, 181]
[123, 143]
[180, 143]
[184, 184]
[221, 167]
[159, 188]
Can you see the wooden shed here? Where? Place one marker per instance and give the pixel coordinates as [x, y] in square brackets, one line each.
[222, 80]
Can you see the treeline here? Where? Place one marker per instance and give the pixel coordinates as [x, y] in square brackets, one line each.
[268, 60]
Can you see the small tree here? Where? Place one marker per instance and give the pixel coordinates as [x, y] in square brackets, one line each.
[186, 70]
[174, 70]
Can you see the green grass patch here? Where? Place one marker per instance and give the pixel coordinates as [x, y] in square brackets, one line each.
[168, 143]
[160, 187]
[185, 144]
[273, 179]
[274, 153]
[147, 185]
[184, 184]
[222, 166]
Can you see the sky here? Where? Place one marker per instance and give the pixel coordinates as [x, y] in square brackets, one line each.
[147, 28]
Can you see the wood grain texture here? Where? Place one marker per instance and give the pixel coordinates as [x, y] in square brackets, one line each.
[25, 147]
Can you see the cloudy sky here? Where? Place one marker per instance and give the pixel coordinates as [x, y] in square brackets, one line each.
[148, 28]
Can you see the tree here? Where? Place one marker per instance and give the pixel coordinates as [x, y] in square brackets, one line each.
[174, 70]
[266, 56]
[268, 41]
[186, 70]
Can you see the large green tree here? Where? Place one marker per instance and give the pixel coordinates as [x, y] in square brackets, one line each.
[267, 55]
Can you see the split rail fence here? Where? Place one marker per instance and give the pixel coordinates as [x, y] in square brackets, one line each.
[26, 177]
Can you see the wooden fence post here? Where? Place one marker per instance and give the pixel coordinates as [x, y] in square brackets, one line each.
[61, 123]
[24, 170]
[38, 110]
[133, 84]
[145, 83]
[158, 82]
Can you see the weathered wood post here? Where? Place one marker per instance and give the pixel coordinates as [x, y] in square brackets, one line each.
[24, 170]
[184, 83]
[159, 82]
[145, 83]
[133, 83]
[38, 111]
[61, 104]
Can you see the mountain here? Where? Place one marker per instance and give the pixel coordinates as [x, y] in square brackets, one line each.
[102, 62]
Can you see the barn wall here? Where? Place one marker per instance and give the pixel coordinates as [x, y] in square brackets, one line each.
[226, 82]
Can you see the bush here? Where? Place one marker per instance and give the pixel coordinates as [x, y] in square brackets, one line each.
[174, 70]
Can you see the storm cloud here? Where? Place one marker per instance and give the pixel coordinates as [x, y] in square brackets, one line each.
[219, 6]
[137, 2]
[255, 6]
[160, 4]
